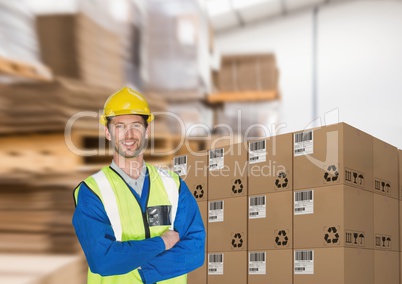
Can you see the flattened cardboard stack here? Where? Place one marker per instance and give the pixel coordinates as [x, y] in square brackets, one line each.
[37, 219]
[245, 73]
[43, 268]
[248, 76]
[75, 46]
[317, 206]
[34, 107]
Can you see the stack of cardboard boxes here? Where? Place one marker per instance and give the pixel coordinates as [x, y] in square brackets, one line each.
[314, 206]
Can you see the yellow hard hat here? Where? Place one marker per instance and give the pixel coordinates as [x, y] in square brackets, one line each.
[126, 101]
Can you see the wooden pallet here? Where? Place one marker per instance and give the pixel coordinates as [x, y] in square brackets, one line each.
[24, 70]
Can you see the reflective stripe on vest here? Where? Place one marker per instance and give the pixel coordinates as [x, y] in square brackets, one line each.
[111, 206]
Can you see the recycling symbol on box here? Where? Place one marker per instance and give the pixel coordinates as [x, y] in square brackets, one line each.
[199, 191]
[282, 180]
[282, 239]
[237, 186]
[331, 236]
[331, 174]
[237, 241]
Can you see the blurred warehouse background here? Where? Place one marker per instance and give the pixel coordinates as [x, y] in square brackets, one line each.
[209, 68]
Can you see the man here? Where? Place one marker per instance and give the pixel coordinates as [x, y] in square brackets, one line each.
[136, 223]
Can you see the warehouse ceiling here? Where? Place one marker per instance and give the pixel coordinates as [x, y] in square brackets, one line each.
[231, 14]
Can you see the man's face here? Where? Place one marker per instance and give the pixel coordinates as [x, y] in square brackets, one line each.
[127, 134]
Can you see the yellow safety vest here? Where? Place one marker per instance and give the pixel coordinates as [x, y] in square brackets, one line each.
[126, 216]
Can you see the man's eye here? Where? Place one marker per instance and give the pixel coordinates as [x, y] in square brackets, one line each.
[119, 126]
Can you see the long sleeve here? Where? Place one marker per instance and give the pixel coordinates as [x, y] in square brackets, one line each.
[104, 254]
[188, 254]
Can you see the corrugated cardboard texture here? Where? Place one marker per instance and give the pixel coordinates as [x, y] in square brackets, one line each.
[234, 269]
[386, 267]
[195, 174]
[231, 180]
[203, 207]
[340, 265]
[386, 222]
[400, 226]
[275, 173]
[199, 276]
[279, 268]
[231, 234]
[341, 154]
[385, 171]
[400, 173]
[274, 231]
[343, 216]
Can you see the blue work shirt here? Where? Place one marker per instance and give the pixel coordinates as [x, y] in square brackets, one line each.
[106, 256]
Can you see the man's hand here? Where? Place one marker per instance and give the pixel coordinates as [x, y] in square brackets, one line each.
[170, 238]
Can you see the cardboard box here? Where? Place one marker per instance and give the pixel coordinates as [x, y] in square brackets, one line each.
[400, 226]
[199, 276]
[270, 221]
[227, 172]
[386, 267]
[227, 267]
[203, 207]
[386, 223]
[334, 266]
[333, 216]
[227, 225]
[270, 164]
[270, 267]
[400, 173]
[385, 171]
[193, 169]
[330, 155]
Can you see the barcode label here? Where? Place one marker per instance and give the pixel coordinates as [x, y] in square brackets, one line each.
[258, 200]
[180, 165]
[257, 263]
[304, 255]
[303, 143]
[257, 207]
[216, 205]
[216, 159]
[259, 145]
[215, 258]
[304, 136]
[257, 152]
[304, 262]
[216, 211]
[304, 195]
[304, 202]
[180, 160]
[215, 264]
[257, 256]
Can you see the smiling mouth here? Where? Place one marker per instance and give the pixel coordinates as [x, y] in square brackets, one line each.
[128, 143]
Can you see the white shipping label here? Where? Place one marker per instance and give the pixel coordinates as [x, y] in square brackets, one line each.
[304, 262]
[215, 264]
[304, 202]
[216, 211]
[180, 165]
[303, 143]
[257, 207]
[216, 159]
[257, 152]
[257, 263]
